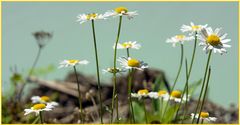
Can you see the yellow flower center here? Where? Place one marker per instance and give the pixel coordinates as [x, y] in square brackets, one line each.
[204, 114]
[45, 98]
[213, 40]
[121, 10]
[133, 63]
[162, 92]
[72, 61]
[127, 45]
[180, 37]
[39, 106]
[91, 16]
[176, 94]
[143, 91]
[196, 27]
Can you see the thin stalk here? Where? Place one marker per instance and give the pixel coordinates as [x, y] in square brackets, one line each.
[95, 105]
[202, 121]
[205, 93]
[188, 73]
[114, 73]
[128, 53]
[145, 111]
[130, 88]
[161, 107]
[41, 117]
[193, 55]
[36, 120]
[79, 96]
[175, 81]
[98, 76]
[203, 84]
[186, 103]
[180, 104]
[30, 73]
[129, 95]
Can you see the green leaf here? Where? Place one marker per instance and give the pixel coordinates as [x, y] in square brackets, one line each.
[193, 87]
[138, 112]
[156, 87]
[44, 70]
[170, 114]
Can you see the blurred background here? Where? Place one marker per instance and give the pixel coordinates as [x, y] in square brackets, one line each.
[156, 22]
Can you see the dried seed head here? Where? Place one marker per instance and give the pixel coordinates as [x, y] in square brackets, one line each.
[42, 37]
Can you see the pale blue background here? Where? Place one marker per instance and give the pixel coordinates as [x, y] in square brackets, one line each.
[156, 22]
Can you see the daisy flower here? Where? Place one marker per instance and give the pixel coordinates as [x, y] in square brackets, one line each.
[72, 62]
[176, 96]
[214, 40]
[82, 18]
[38, 108]
[204, 116]
[130, 63]
[112, 70]
[179, 39]
[127, 45]
[193, 28]
[141, 93]
[43, 99]
[121, 11]
[159, 94]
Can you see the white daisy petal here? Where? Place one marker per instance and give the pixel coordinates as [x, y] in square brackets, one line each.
[213, 40]
[82, 18]
[38, 108]
[192, 28]
[203, 116]
[178, 39]
[121, 11]
[130, 63]
[67, 63]
[128, 45]
[140, 94]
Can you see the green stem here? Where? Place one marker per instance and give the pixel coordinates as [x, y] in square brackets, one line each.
[186, 103]
[128, 53]
[161, 107]
[193, 55]
[180, 104]
[30, 73]
[175, 81]
[130, 89]
[189, 73]
[41, 117]
[129, 95]
[203, 84]
[114, 73]
[205, 93]
[36, 120]
[98, 76]
[79, 96]
[202, 121]
[145, 111]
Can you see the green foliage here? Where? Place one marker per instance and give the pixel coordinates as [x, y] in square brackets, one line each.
[138, 112]
[6, 113]
[16, 78]
[193, 87]
[159, 84]
[43, 70]
[170, 113]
